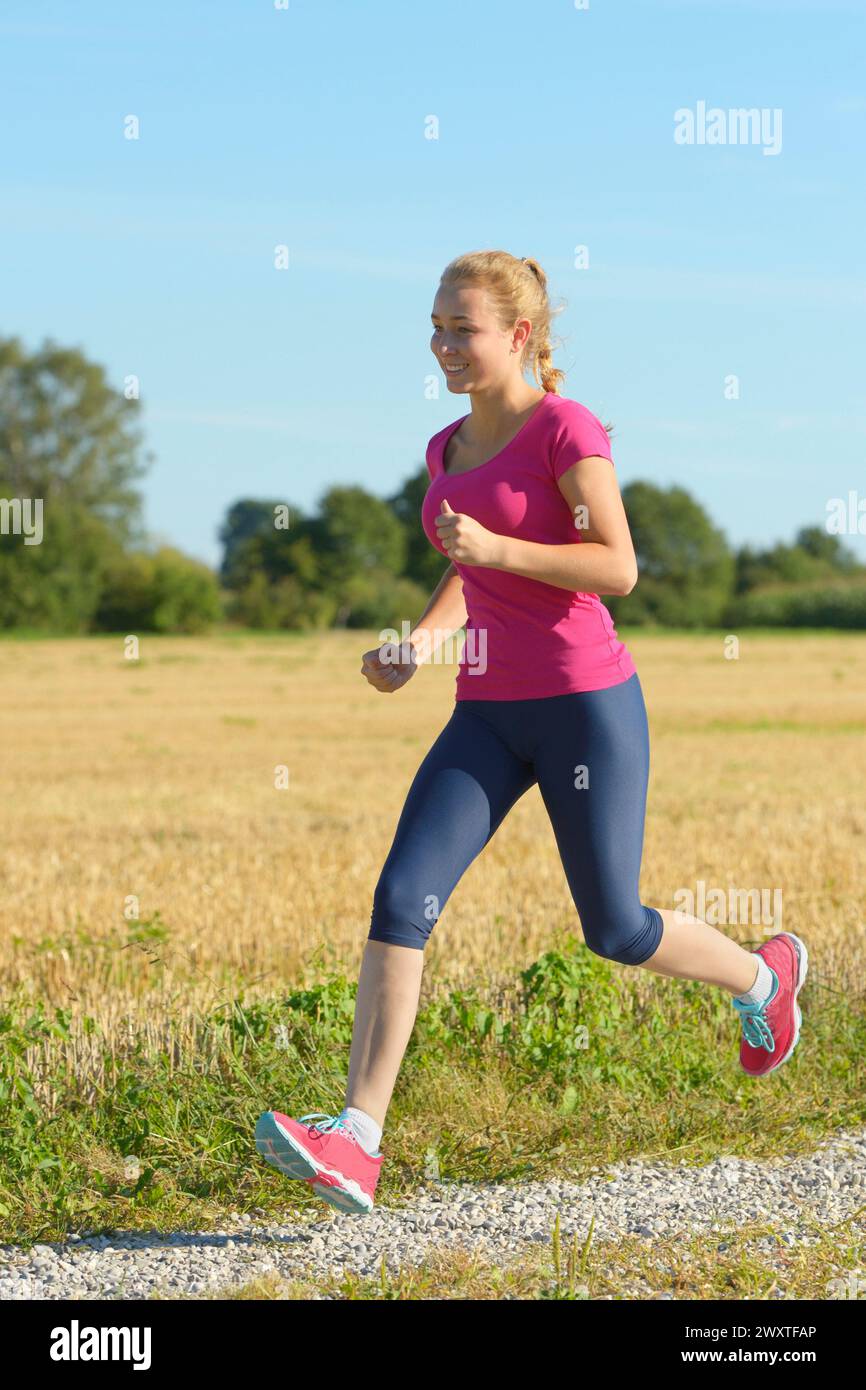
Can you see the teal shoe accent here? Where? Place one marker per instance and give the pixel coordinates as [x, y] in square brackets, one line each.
[756, 1029]
[330, 1124]
[326, 1123]
[280, 1151]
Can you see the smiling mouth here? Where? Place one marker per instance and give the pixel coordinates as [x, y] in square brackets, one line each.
[455, 371]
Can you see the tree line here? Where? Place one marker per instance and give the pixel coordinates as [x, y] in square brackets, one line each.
[71, 440]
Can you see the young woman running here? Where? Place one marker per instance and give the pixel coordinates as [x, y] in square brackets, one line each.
[524, 502]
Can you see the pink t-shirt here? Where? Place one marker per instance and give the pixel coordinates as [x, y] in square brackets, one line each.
[526, 639]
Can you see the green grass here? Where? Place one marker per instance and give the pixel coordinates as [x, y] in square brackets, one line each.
[573, 1064]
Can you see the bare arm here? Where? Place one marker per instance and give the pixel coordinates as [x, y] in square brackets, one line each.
[600, 561]
[603, 561]
[389, 670]
[444, 615]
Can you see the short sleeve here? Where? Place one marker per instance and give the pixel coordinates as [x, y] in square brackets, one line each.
[579, 435]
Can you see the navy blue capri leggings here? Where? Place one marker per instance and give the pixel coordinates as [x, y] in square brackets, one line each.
[589, 753]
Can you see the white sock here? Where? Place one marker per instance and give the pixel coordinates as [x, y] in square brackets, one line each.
[367, 1132]
[763, 987]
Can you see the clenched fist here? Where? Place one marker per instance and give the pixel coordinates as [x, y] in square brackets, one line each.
[465, 539]
[389, 667]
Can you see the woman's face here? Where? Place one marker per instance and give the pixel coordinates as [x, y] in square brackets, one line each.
[467, 337]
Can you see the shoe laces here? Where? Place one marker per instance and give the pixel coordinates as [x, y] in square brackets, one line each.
[756, 1029]
[328, 1124]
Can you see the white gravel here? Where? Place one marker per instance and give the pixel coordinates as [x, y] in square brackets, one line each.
[649, 1199]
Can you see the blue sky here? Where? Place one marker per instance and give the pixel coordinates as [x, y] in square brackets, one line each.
[305, 127]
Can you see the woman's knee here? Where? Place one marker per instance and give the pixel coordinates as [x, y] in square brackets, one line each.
[629, 938]
[401, 914]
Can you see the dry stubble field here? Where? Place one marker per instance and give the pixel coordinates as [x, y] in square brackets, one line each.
[155, 780]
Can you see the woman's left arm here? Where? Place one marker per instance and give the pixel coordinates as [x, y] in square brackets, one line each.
[603, 561]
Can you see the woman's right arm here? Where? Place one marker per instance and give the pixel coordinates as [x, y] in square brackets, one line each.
[444, 615]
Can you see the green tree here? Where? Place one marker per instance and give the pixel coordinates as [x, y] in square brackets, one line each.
[816, 554]
[67, 436]
[685, 567]
[165, 591]
[70, 445]
[818, 542]
[346, 566]
[424, 564]
[245, 519]
[57, 584]
[363, 547]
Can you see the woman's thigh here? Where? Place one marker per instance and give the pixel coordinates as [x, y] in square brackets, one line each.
[466, 784]
[592, 765]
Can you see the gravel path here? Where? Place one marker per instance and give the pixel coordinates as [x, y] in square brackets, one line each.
[645, 1198]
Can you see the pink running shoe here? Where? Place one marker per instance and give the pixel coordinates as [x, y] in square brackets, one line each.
[771, 1029]
[326, 1154]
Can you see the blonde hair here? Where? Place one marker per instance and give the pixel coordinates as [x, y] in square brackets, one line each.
[517, 289]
